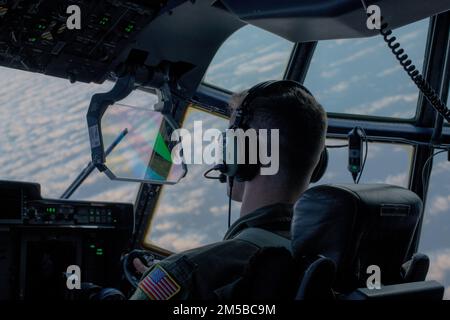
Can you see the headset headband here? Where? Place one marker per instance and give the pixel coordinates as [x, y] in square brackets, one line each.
[257, 90]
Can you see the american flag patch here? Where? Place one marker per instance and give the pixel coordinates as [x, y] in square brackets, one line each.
[159, 285]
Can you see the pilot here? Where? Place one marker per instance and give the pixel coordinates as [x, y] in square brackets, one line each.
[208, 272]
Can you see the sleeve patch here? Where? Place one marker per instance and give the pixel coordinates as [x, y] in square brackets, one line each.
[159, 285]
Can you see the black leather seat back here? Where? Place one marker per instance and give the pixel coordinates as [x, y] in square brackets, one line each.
[357, 226]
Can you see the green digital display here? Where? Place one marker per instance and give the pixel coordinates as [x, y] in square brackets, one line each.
[104, 21]
[129, 28]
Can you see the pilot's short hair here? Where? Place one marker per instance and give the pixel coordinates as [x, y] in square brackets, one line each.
[302, 124]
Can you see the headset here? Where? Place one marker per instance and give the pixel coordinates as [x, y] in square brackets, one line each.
[247, 171]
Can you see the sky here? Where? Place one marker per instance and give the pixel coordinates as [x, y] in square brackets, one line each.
[43, 137]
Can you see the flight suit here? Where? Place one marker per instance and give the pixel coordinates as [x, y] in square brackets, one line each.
[208, 272]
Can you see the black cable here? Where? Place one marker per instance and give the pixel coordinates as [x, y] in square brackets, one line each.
[415, 75]
[215, 168]
[205, 174]
[365, 154]
[426, 183]
[221, 177]
[231, 182]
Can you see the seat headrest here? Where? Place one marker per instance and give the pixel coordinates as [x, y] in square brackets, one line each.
[357, 226]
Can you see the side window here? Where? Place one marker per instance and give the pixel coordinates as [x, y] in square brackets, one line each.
[249, 56]
[362, 76]
[193, 212]
[435, 237]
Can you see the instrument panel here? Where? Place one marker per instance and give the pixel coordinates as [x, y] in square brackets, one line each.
[23, 205]
[40, 238]
[37, 35]
[52, 212]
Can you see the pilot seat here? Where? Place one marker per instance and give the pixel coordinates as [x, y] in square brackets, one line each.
[346, 233]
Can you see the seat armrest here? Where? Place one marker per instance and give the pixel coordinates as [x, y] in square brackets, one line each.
[428, 290]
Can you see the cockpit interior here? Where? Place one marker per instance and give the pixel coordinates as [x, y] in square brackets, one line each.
[91, 93]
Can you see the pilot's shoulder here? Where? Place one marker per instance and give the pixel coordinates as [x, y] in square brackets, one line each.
[222, 249]
[189, 260]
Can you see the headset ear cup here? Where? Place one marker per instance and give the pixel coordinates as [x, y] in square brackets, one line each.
[247, 171]
[321, 167]
[228, 168]
[241, 172]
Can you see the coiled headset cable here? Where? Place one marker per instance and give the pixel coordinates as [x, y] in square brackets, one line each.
[411, 70]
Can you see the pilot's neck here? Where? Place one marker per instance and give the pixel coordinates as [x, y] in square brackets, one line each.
[257, 194]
